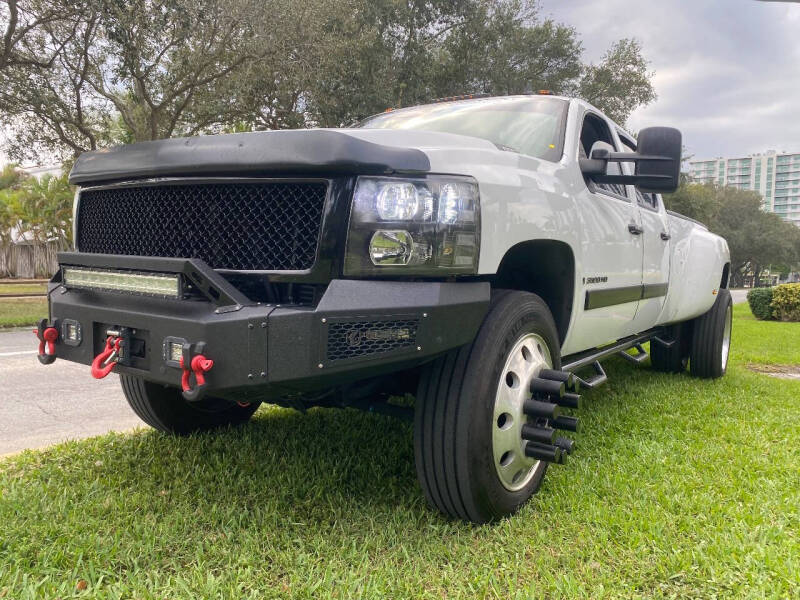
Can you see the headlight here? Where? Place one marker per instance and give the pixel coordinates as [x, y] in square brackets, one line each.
[424, 226]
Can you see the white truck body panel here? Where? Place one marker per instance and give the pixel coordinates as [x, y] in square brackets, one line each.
[525, 198]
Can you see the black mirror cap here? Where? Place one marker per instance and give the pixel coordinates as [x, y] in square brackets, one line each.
[665, 142]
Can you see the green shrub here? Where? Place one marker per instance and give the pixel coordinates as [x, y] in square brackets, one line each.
[760, 301]
[786, 302]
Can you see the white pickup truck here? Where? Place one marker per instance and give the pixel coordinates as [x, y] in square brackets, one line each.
[481, 254]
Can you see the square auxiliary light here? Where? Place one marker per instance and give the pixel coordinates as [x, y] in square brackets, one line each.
[175, 351]
[150, 284]
[172, 350]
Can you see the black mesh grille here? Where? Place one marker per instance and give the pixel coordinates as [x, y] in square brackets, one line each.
[246, 226]
[354, 339]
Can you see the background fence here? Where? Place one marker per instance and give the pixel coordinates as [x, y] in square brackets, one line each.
[30, 260]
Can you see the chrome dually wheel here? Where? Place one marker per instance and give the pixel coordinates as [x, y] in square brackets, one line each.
[726, 337]
[524, 362]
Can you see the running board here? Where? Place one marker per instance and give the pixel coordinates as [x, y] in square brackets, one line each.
[591, 358]
[664, 343]
[596, 380]
[640, 356]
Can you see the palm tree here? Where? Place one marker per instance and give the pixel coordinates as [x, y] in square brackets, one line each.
[37, 210]
[44, 208]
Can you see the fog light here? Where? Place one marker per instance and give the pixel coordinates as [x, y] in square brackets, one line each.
[396, 247]
[172, 350]
[175, 351]
[152, 284]
[71, 332]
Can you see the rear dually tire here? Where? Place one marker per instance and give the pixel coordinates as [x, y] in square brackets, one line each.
[711, 338]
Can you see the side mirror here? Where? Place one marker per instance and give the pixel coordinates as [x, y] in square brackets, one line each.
[662, 175]
[658, 162]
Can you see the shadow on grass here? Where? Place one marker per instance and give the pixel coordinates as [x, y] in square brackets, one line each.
[287, 467]
[326, 461]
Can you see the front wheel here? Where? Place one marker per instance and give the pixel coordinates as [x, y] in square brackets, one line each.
[711, 339]
[165, 408]
[470, 455]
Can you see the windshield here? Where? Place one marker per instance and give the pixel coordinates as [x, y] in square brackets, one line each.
[530, 125]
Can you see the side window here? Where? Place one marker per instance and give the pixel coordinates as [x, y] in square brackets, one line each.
[596, 134]
[645, 199]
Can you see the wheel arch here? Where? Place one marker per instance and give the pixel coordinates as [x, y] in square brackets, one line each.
[545, 268]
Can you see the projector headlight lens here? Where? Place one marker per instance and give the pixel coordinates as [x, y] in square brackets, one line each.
[421, 226]
[151, 284]
[397, 248]
[398, 202]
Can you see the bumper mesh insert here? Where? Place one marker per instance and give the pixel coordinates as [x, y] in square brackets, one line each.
[242, 226]
[362, 338]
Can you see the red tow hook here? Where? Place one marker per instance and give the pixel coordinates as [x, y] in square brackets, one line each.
[47, 337]
[198, 365]
[105, 361]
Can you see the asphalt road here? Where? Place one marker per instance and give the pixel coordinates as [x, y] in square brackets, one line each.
[739, 296]
[43, 405]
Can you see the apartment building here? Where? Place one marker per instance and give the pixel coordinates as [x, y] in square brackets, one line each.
[776, 176]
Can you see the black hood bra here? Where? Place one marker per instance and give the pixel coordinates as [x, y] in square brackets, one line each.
[300, 151]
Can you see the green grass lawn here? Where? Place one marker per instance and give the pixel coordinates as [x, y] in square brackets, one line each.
[22, 288]
[679, 488]
[16, 313]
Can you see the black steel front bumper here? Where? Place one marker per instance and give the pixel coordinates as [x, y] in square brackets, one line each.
[357, 330]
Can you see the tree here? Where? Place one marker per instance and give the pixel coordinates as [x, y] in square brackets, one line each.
[34, 32]
[756, 239]
[136, 71]
[38, 211]
[620, 82]
[162, 67]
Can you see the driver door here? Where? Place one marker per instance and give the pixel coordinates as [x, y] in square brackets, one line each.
[612, 250]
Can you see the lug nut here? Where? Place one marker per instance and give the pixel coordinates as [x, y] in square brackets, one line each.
[543, 435]
[564, 376]
[547, 387]
[544, 452]
[544, 410]
[569, 400]
[566, 423]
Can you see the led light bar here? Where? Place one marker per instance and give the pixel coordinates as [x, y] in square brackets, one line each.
[151, 284]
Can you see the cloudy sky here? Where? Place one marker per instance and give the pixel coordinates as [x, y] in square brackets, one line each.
[727, 72]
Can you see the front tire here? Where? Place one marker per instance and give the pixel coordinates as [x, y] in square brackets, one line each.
[460, 438]
[165, 408]
[711, 339]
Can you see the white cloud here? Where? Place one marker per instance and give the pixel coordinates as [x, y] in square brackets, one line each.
[727, 73]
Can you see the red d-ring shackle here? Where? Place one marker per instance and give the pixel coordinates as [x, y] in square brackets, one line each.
[198, 365]
[47, 337]
[48, 340]
[111, 351]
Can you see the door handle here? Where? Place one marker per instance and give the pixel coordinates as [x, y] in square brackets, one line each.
[665, 236]
[635, 229]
